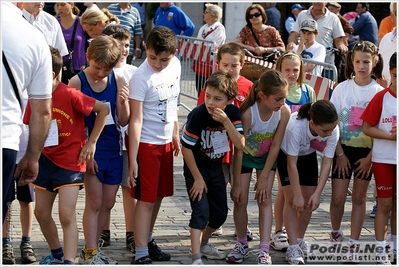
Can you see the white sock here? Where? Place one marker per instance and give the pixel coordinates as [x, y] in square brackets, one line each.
[393, 239]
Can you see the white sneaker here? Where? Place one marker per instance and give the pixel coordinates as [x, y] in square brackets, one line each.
[382, 259]
[238, 253]
[352, 255]
[294, 255]
[105, 258]
[197, 262]
[95, 260]
[209, 251]
[279, 240]
[305, 248]
[218, 232]
[263, 258]
[335, 241]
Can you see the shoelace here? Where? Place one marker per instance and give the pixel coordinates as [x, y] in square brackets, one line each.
[239, 248]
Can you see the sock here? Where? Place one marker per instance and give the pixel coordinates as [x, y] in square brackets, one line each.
[57, 253]
[299, 240]
[149, 237]
[243, 240]
[141, 252]
[68, 262]
[381, 243]
[195, 257]
[264, 246]
[90, 252]
[25, 239]
[393, 239]
[339, 231]
[353, 241]
[204, 242]
[6, 240]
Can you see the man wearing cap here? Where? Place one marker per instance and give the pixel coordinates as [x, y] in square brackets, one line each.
[290, 21]
[330, 32]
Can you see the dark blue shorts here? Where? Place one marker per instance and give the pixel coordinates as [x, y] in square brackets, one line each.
[307, 169]
[9, 158]
[110, 170]
[25, 193]
[52, 177]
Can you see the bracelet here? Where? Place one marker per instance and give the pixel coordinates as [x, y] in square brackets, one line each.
[340, 155]
[138, 49]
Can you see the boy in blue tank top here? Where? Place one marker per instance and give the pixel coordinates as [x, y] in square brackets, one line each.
[104, 174]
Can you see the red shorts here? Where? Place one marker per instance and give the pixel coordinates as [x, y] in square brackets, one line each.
[155, 175]
[385, 179]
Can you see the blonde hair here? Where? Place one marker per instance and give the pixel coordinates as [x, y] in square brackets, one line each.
[289, 54]
[92, 17]
[105, 50]
[215, 11]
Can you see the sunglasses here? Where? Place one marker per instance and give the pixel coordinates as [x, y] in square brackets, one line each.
[256, 15]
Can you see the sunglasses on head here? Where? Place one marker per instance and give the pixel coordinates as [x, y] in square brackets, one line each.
[256, 15]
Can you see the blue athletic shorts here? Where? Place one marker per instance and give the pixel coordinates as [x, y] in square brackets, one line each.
[110, 170]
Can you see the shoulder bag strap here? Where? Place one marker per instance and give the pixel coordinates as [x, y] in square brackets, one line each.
[75, 25]
[12, 80]
[256, 38]
[210, 32]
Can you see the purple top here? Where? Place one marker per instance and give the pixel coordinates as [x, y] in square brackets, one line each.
[78, 55]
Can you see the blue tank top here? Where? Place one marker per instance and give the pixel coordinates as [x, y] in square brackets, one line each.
[109, 144]
[305, 97]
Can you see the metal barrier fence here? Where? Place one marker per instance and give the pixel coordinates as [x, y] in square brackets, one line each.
[190, 50]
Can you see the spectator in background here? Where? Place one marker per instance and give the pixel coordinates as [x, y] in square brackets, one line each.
[45, 23]
[212, 30]
[94, 21]
[273, 15]
[388, 45]
[69, 19]
[365, 25]
[290, 21]
[171, 16]
[129, 18]
[388, 23]
[90, 6]
[141, 8]
[340, 59]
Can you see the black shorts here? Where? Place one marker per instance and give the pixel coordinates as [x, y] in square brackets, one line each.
[25, 193]
[245, 169]
[353, 154]
[307, 169]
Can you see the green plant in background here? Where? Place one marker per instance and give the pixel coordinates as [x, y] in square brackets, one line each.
[151, 8]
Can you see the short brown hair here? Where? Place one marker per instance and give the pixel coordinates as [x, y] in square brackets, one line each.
[232, 49]
[56, 60]
[161, 39]
[224, 82]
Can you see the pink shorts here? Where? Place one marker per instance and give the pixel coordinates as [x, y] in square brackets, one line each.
[385, 179]
[155, 178]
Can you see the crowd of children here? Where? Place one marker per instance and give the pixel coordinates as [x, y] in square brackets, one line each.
[120, 126]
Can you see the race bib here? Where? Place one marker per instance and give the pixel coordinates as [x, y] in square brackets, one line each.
[220, 142]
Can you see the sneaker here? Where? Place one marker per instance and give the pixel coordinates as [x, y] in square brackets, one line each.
[144, 261]
[382, 259]
[27, 253]
[130, 243]
[352, 255]
[374, 211]
[105, 239]
[250, 236]
[82, 256]
[197, 262]
[94, 260]
[50, 260]
[279, 240]
[218, 232]
[304, 247]
[105, 258]
[156, 254]
[8, 254]
[238, 253]
[335, 240]
[294, 255]
[210, 252]
[263, 258]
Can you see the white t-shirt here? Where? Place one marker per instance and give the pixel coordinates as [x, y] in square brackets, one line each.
[388, 45]
[159, 92]
[348, 99]
[299, 141]
[31, 65]
[127, 72]
[51, 29]
[329, 28]
[315, 52]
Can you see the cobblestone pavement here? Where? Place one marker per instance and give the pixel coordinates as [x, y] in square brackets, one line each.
[172, 231]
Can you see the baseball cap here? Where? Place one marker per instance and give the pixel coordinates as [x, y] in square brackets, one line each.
[297, 6]
[309, 25]
[334, 4]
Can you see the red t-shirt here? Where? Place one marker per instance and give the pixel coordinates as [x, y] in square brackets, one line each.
[244, 86]
[68, 108]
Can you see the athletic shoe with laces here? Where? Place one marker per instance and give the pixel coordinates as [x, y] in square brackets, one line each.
[197, 262]
[105, 239]
[210, 252]
[218, 232]
[94, 260]
[304, 247]
[335, 241]
[352, 255]
[250, 236]
[263, 258]
[294, 255]
[50, 260]
[279, 240]
[82, 256]
[27, 253]
[143, 261]
[382, 258]
[105, 258]
[156, 254]
[238, 253]
[8, 254]
[130, 243]
[373, 211]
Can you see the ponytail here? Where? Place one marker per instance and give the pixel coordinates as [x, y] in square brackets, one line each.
[320, 112]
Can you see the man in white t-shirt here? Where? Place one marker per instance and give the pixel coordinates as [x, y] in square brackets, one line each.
[31, 67]
[388, 45]
[45, 23]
